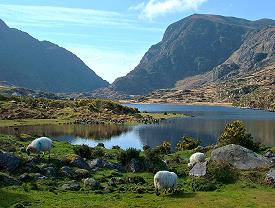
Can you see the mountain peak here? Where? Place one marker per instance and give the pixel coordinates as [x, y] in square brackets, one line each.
[3, 24]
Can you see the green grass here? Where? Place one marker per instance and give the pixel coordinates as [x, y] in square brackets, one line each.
[229, 196]
[164, 115]
[18, 122]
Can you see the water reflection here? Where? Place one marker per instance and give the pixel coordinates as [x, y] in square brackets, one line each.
[207, 125]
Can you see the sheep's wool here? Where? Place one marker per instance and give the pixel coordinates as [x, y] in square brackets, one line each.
[165, 180]
[42, 144]
[196, 158]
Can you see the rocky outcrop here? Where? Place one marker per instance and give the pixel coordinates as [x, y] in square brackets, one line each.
[99, 163]
[240, 157]
[8, 161]
[199, 169]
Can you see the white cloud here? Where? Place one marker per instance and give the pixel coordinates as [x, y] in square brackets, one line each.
[155, 8]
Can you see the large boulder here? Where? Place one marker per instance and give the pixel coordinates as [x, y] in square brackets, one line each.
[8, 161]
[199, 169]
[76, 161]
[240, 157]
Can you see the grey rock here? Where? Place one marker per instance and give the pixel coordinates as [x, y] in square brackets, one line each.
[99, 163]
[8, 161]
[8, 181]
[90, 183]
[199, 169]
[115, 181]
[240, 157]
[269, 154]
[136, 180]
[25, 177]
[67, 171]
[80, 163]
[71, 185]
[51, 172]
[270, 177]
[135, 166]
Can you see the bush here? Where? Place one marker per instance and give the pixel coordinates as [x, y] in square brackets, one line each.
[164, 148]
[201, 184]
[152, 154]
[146, 147]
[116, 147]
[125, 156]
[235, 133]
[188, 143]
[83, 151]
[222, 172]
[97, 152]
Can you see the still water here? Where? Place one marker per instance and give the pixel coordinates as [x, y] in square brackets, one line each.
[206, 124]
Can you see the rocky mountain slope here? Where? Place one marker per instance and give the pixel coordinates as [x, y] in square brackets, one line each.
[191, 46]
[246, 78]
[42, 65]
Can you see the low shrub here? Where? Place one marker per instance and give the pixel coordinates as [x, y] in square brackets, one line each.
[222, 172]
[83, 151]
[188, 143]
[201, 184]
[164, 148]
[97, 152]
[125, 156]
[235, 133]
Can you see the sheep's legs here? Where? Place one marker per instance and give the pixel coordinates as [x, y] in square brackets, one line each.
[157, 192]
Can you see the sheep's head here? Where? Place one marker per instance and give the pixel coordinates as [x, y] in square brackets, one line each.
[30, 149]
[190, 165]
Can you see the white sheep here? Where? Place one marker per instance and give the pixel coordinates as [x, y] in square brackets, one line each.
[197, 157]
[41, 144]
[165, 180]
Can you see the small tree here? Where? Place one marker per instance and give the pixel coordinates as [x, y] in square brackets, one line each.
[188, 143]
[235, 133]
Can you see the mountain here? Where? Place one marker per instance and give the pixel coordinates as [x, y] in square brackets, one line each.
[42, 65]
[246, 78]
[191, 46]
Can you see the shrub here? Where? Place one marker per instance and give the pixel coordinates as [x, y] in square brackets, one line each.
[83, 151]
[164, 148]
[116, 147]
[201, 184]
[222, 172]
[125, 156]
[235, 133]
[97, 152]
[188, 143]
[152, 154]
[146, 147]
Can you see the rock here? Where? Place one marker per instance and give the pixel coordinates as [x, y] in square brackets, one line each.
[8, 181]
[135, 166]
[81, 173]
[77, 161]
[240, 157]
[136, 180]
[199, 169]
[67, 171]
[115, 181]
[99, 163]
[39, 176]
[100, 145]
[51, 172]
[269, 154]
[90, 183]
[25, 177]
[270, 177]
[8, 161]
[71, 185]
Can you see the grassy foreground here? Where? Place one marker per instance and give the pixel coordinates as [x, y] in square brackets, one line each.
[230, 196]
[245, 192]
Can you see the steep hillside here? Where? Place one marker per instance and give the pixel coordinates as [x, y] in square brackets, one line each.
[42, 65]
[191, 46]
[246, 78]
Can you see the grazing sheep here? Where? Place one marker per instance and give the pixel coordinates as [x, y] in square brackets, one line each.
[41, 144]
[165, 180]
[196, 158]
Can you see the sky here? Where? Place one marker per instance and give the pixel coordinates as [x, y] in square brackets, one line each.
[111, 36]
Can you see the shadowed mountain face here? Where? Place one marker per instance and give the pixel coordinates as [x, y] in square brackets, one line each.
[191, 46]
[42, 65]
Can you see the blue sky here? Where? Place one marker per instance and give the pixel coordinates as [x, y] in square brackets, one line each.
[111, 36]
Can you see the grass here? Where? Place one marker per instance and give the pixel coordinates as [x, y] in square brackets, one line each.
[19, 122]
[164, 115]
[229, 196]
[243, 193]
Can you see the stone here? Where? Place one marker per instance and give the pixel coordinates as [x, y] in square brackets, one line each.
[9, 162]
[76, 161]
[115, 181]
[67, 171]
[199, 169]
[135, 166]
[51, 172]
[90, 183]
[71, 185]
[81, 173]
[136, 180]
[25, 177]
[99, 163]
[240, 157]
[8, 180]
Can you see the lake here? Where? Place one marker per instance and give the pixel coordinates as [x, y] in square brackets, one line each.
[206, 124]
